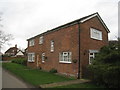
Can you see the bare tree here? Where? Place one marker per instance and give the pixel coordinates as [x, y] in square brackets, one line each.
[4, 38]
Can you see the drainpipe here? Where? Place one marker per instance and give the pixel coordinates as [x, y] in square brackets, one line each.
[78, 50]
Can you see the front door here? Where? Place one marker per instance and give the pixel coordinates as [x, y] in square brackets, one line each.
[38, 64]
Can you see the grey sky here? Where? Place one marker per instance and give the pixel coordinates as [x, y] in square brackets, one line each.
[27, 18]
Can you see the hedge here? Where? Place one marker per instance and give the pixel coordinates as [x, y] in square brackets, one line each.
[22, 61]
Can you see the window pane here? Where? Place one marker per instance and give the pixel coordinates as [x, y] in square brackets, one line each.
[52, 46]
[65, 56]
[96, 34]
[41, 40]
[43, 57]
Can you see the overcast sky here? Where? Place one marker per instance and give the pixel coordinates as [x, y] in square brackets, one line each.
[27, 18]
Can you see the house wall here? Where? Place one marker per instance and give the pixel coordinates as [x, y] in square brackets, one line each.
[88, 43]
[65, 40]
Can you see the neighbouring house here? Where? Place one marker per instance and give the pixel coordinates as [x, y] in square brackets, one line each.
[11, 51]
[14, 52]
[69, 48]
[20, 54]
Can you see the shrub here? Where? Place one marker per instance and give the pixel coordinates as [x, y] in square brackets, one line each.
[106, 67]
[22, 61]
[53, 70]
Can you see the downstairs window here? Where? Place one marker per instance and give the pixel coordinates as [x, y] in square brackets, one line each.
[65, 57]
[31, 57]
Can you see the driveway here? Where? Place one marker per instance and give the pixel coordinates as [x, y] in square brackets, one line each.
[11, 81]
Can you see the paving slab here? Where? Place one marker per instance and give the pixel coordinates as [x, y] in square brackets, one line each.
[64, 83]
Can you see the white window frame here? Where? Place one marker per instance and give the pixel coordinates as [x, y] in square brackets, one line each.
[41, 40]
[92, 56]
[43, 57]
[31, 57]
[95, 34]
[32, 42]
[65, 57]
[52, 46]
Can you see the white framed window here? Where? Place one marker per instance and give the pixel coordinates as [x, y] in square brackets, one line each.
[41, 40]
[52, 46]
[31, 57]
[95, 34]
[43, 57]
[65, 57]
[31, 42]
[92, 55]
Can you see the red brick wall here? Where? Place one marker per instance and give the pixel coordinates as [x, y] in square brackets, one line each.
[90, 44]
[64, 40]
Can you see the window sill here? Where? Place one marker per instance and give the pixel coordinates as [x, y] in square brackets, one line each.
[96, 39]
[31, 61]
[40, 43]
[64, 62]
[52, 51]
[32, 46]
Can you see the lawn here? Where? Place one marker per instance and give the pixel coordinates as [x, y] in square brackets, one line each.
[34, 76]
[81, 85]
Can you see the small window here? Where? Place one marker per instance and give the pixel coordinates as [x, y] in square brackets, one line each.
[43, 57]
[41, 40]
[95, 34]
[65, 57]
[31, 42]
[31, 57]
[52, 46]
[92, 55]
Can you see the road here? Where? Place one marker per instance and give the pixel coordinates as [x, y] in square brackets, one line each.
[10, 81]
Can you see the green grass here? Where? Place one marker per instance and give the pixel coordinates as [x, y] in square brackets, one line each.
[34, 76]
[81, 85]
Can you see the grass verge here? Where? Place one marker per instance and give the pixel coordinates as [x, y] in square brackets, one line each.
[34, 76]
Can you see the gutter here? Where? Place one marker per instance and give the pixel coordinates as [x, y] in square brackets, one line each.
[78, 50]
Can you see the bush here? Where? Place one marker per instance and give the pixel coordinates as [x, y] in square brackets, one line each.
[53, 70]
[22, 61]
[106, 67]
[106, 75]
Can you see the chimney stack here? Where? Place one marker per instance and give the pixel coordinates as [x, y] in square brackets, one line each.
[16, 45]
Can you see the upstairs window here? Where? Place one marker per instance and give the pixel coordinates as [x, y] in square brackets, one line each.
[52, 46]
[31, 57]
[65, 57]
[31, 42]
[41, 40]
[95, 34]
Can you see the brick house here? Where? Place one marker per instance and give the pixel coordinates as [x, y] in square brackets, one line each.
[12, 51]
[68, 48]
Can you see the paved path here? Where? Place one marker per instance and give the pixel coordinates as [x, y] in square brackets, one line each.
[10, 81]
[64, 83]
